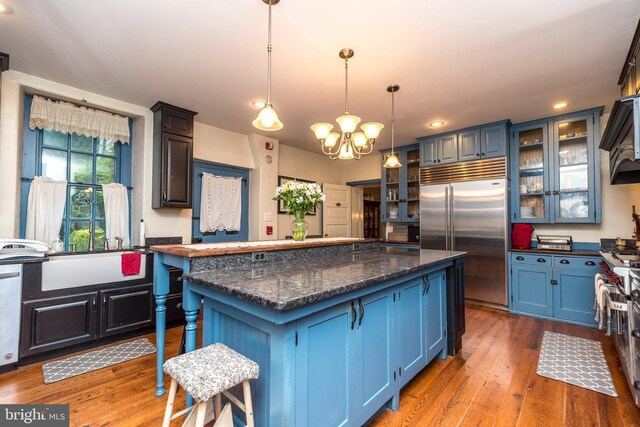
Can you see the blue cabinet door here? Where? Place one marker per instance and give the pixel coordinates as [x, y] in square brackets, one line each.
[436, 312]
[469, 145]
[411, 329]
[531, 290]
[447, 149]
[324, 364]
[573, 295]
[373, 370]
[428, 152]
[493, 141]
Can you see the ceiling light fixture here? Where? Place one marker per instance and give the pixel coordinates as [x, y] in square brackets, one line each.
[559, 105]
[436, 124]
[352, 144]
[392, 161]
[5, 9]
[267, 118]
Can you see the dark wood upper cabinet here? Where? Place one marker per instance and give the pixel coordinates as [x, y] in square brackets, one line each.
[629, 80]
[172, 156]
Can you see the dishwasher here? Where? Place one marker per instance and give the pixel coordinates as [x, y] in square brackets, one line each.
[10, 297]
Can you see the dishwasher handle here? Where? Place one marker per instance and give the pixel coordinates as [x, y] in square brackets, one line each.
[9, 275]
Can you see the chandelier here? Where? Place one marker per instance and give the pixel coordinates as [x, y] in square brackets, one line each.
[267, 118]
[391, 159]
[351, 144]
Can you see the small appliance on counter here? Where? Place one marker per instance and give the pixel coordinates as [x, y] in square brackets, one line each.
[554, 243]
[21, 248]
[413, 232]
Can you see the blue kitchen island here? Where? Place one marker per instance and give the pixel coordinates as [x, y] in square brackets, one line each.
[338, 326]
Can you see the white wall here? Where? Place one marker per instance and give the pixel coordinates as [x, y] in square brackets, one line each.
[221, 146]
[367, 168]
[296, 163]
[263, 179]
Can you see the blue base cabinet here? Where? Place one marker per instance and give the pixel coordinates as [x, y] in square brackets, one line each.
[554, 287]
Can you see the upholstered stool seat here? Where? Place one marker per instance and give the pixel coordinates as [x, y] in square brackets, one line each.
[209, 372]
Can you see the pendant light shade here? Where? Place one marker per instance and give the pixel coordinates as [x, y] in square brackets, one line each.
[348, 123]
[267, 117]
[392, 160]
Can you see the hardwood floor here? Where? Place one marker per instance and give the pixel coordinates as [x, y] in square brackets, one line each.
[492, 381]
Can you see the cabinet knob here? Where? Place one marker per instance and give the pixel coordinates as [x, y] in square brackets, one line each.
[483, 154]
[589, 263]
[520, 258]
[556, 192]
[554, 282]
[547, 193]
[635, 295]
[541, 260]
[636, 333]
[636, 385]
[338, 204]
[478, 154]
[564, 261]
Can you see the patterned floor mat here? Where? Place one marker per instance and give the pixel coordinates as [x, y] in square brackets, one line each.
[576, 361]
[83, 363]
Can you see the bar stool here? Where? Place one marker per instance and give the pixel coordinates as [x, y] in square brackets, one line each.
[207, 373]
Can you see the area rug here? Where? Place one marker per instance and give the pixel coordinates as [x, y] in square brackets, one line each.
[576, 361]
[83, 363]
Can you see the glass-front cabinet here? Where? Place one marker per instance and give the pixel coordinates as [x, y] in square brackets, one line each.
[556, 170]
[401, 187]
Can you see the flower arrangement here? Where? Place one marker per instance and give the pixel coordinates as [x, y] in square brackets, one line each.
[299, 197]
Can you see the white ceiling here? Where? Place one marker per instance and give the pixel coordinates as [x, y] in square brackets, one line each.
[463, 61]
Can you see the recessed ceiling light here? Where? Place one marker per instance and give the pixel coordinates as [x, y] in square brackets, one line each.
[559, 105]
[258, 104]
[5, 9]
[436, 124]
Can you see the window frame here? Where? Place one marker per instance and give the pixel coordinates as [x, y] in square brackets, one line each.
[33, 146]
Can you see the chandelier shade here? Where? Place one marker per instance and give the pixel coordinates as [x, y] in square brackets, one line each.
[351, 144]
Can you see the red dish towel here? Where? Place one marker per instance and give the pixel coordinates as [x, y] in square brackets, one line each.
[131, 263]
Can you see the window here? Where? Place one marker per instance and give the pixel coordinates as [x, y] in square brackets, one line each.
[85, 163]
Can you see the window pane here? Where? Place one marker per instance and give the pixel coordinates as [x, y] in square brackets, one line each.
[80, 202]
[99, 204]
[52, 138]
[81, 143]
[82, 168]
[79, 234]
[54, 163]
[106, 147]
[105, 170]
[100, 234]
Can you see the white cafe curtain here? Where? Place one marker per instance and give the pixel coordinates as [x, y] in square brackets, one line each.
[116, 214]
[68, 118]
[220, 203]
[45, 209]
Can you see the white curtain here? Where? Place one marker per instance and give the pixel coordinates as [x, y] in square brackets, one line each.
[45, 209]
[116, 214]
[220, 203]
[68, 118]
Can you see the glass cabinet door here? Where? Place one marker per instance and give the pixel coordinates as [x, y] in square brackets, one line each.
[573, 200]
[532, 183]
[392, 196]
[411, 170]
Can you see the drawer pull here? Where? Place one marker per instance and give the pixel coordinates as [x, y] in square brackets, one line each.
[354, 316]
[179, 305]
[541, 260]
[520, 258]
[590, 263]
[564, 261]
[554, 282]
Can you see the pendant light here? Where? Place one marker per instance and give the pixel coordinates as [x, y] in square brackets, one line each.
[267, 117]
[392, 160]
[352, 144]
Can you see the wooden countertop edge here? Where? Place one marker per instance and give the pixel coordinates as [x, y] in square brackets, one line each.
[191, 253]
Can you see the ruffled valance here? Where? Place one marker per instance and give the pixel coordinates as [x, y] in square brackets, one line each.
[68, 118]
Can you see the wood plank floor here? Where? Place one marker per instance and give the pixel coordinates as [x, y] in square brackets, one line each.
[492, 382]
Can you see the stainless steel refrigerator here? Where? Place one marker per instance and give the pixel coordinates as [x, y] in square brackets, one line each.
[463, 207]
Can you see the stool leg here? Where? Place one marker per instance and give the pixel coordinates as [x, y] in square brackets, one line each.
[202, 410]
[248, 406]
[218, 405]
[170, 401]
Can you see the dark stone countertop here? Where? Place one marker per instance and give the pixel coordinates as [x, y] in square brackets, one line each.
[23, 260]
[283, 286]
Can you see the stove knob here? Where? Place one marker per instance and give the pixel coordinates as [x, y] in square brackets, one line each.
[636, 333]
[636, 385]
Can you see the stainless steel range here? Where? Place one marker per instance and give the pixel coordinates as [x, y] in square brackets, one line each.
[623, 270]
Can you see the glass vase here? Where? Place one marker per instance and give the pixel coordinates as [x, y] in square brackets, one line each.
[299, 227]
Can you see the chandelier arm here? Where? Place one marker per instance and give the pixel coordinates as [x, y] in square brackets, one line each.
[364, 153]
[333, 153]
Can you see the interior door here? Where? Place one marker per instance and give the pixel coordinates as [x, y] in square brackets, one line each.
[336, 211]
[357, 212]
[200, 167]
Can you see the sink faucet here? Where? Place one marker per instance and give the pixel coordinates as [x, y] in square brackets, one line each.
[119, 240]
[90, 236]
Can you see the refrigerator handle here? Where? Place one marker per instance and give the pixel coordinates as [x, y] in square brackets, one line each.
[446, 218]
[452, 225]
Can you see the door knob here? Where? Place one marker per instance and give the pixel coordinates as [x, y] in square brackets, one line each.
[338, 204]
